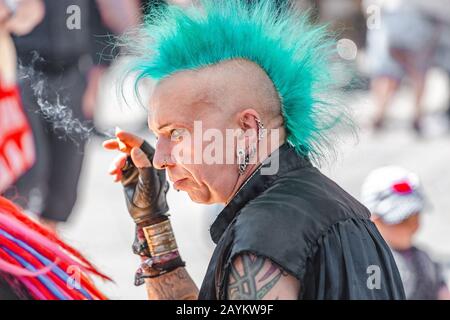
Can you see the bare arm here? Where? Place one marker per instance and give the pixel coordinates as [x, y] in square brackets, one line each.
[258, 278]
[175, 285]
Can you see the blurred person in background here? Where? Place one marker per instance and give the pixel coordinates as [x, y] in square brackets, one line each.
[17, 149]
[438, 14]
[396, 200]
[345, 17]
[20, 17]
[403, 44]
[34, 262]
[108, 19]
[60, 52]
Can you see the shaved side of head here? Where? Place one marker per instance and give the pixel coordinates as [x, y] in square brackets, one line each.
[245, 85]
[231, 86]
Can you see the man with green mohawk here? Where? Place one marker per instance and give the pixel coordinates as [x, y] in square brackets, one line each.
[241, 108]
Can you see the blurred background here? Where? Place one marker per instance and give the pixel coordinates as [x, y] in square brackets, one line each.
[399, 51]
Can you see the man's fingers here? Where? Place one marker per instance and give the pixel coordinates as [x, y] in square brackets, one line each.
[129, 139]
[118, 177]
[116, 144]
[117, 164]
[111, 144]
[129, 144]
[139, 158]
[125, 142]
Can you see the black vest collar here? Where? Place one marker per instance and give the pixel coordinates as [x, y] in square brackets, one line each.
[289, 160]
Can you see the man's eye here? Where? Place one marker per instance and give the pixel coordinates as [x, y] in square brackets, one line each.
[176, 134]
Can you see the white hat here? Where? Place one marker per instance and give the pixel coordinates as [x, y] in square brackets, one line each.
[393, 194]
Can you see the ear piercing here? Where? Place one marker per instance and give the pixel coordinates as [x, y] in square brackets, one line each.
[243, 158]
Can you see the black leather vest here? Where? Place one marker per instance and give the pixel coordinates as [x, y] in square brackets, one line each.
[289, 218]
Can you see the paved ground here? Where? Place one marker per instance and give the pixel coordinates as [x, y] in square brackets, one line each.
[102, 229]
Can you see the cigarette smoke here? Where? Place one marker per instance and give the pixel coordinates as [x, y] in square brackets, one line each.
[55, 110]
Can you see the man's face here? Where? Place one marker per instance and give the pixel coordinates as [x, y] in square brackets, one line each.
[183, 109]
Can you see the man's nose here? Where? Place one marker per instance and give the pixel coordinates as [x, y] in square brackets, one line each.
[163, 156]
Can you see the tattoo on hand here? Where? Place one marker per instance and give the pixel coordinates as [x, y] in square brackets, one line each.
[175, 285]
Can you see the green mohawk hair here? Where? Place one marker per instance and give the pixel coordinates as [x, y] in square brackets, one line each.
[296, 56]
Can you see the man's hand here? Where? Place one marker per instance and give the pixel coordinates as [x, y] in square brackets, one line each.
[145, 187]
[258, 278]
[129, 142]
[145, 193]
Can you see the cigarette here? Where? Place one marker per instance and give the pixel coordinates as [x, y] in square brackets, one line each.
[122, 146]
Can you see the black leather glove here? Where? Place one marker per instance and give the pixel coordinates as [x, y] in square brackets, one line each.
[145, 195]
[145, 190]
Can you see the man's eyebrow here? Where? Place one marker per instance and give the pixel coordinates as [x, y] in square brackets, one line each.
[163, 126]
[166, 125]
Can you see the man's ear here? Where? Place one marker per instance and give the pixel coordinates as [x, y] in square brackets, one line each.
[247, 119]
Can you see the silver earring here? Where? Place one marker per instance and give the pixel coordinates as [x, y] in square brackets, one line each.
[252, 151]
[243, 160]
[261, 129]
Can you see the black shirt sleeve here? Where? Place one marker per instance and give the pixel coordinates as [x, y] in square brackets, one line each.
[352, 261]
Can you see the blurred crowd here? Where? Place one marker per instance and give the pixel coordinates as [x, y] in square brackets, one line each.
[70, 44]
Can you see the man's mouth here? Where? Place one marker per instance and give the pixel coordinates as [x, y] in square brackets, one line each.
[178, 183]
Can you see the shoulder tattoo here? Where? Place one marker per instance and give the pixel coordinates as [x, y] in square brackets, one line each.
[254, 278]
